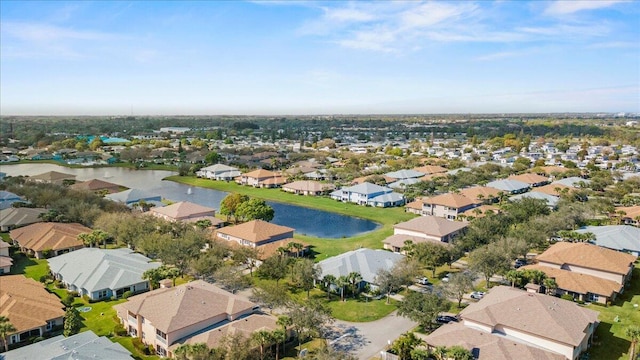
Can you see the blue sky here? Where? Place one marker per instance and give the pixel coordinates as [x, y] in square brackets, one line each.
[290, 57]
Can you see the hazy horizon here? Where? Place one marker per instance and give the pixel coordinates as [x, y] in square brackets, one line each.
[270, 58]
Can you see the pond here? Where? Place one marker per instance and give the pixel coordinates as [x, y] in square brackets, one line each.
[306, 221]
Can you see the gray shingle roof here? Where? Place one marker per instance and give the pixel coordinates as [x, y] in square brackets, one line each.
[550, 199]
[367, 188]
[85, 345]
[20, 216]
[617, 237]
[96, 269]
[364, 261]
[405, 174]
[133, 195]
[571, 181]
[508, 185]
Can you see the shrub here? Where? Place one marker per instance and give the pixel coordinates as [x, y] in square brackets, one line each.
[140, 346]
[567, 297]
[126, 294]
[43, 278]
[47, 253]
[120, 330]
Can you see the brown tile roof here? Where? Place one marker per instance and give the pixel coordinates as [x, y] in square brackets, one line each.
[577, 282]
[244, 326]
[54, 236]
[587, 255]
[486, 345]
[183, 209]
[552, 169]
[432, 176]
[5, 261]
[276, 180]
[255, 230]
[52, 176]
[95, 185]
[398, 240]
[431, 169]
[4, 245]
[553, 189]
[631, 211]
[26, 302]
[308, 185]
[171, 309]
[450, 200]
[475, 191]
[415, 204]
[260, 174]
[271, 248]
[529, 178]
[540, 315]
[432, 225]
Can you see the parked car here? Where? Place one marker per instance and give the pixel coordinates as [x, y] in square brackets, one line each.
[445, 278]
[520, 263]
[423, 281]
[445, 319]
[477, 295]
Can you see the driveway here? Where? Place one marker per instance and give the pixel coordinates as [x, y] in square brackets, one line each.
[365, 340]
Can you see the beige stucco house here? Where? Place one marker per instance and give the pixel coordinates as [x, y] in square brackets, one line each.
[58, 238]
[424, 229]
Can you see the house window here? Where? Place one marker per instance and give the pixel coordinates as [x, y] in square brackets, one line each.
[50, 324]
[161, 334]
[594, 297]
[102, 294]
[161, 351]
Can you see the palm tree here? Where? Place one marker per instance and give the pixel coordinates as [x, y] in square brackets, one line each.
[550, 285]
[284, 321]
[6, 328]
[262, 338]
[354, 279]
[514, 276]
[405, 343]
[87, 239]
[341, 282]
[279, 336]
[329, 280]
[633, 332]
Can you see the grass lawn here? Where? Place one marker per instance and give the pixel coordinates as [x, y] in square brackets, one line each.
[30, 267]
[361, 309]
[611, 343]
[322, 248]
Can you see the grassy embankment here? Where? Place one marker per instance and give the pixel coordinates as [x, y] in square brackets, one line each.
[611, 342]
[321, 247]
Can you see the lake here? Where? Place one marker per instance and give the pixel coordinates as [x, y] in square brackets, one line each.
[306, 221]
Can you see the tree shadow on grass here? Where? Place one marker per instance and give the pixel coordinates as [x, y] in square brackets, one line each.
[607, 345]
[21, 262]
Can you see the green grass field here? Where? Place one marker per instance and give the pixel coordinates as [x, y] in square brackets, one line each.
[611, 342]
[30, 267]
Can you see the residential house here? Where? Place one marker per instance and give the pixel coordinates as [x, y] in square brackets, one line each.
[84, 345]
[254, 233]
[552, 201]
[5, 259]
[12, 218]
[625, 238]
[519, 317]
[219, 172]
[185, 211]
[52, 177]
[509, 186]
[424, 229]
[485, 346]
[368, 194]
[32, 310]
[7, 199]
[262, 178]
[245, 327]
[163, 317]
[431, 169]
[57, 238]
[405, 174]
[575, 182]
[96, 186]
[484, 194]
[534, 180]
[135, 196]
[447, 205]
[102, 273]
[366, 262]
[308, 187]
[554, 189]
[580, 286]
[629, 215]
[589, 259]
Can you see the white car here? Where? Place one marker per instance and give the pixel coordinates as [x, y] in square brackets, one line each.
[477, 295]
[445, 278]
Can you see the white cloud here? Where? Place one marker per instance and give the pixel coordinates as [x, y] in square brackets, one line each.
[432, 13]
[45, 32]
[349, 15]
[573, 6]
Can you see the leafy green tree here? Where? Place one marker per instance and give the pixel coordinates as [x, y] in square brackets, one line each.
[262, 338]
[206, 264]
[284, 321]
[230, 203]
[633, 332]
[6, 328]
[431, 255]
[309, 319]
[245, 255]
[489, 260]
[254, 209]
[274, 267]
[231, 278]
[457, 352]
[354, 279]
[405, 344]
[72, 322]
[306, 273]
[422, 308]
[459, 284]
[269, 295]
[212, 158]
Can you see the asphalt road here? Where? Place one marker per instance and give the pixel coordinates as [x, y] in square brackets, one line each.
[365, 340]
